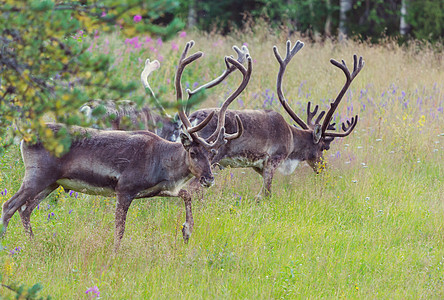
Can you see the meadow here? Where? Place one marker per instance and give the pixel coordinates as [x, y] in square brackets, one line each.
[369, 226]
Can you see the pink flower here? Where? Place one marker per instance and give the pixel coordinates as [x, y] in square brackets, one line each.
[174, 46]
[137, 18]
[159, 42]
[103, 14]
[134, 41]
[182, 34]
[160, 57]
[245, 44]
[148, 39]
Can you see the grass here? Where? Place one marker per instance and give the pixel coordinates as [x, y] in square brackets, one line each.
[371, 226]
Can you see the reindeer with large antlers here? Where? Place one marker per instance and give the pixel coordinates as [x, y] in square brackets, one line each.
[127, 115]
[269, 143]
[129, 165]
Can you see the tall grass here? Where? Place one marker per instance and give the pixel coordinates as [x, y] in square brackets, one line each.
[370, 226]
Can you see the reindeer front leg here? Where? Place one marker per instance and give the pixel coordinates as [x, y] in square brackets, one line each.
[187, 228]
[122, 206]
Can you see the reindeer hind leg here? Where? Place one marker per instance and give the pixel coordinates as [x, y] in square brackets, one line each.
[26, 210]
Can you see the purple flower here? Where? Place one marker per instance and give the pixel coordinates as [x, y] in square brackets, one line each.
[174, 46]
[159, 42]
[4, 193]
[94, 291]
[70, 211]
[103, 14]
[245, 44]
[137, 18]
[182, 34]
[231, 175]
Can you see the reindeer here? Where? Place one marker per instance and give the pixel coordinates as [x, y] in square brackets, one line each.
[156, 120]
[269, 143]
[129, 165]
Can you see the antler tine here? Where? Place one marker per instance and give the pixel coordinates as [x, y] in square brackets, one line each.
[147, 70]
[241, 56]
[239, 131]
[282, 66]
[183, 62]
[357, 67]
[311, 114]
[346, 128]
[246, 73]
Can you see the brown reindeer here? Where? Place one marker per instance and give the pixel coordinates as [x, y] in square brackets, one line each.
[129, 165]
[269, 143]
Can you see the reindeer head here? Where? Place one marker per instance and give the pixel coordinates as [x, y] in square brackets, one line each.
[315, 136]
[201, 151]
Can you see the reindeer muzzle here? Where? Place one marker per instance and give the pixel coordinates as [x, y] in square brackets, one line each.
[206, 181]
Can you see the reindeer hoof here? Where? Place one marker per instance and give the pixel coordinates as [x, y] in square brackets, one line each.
[186, 232]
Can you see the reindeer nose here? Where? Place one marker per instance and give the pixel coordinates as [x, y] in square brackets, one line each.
[206, 181]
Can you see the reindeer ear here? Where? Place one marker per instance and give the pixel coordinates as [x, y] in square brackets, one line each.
[186, 140]
[317, 133]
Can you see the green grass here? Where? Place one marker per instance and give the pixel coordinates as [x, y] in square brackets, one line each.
[371, 226]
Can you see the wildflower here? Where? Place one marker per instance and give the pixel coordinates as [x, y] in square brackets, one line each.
[103, 14]
[137, 18]
[159, 42]
[50, 215]
[70, 211]
[182, 34]
[245, 44]
[94, 291]
[174, 46]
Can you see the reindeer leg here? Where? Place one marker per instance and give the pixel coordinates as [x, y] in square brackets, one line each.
[267, 174]
[26, 210]
[28, 191]
[195, 189]
[187, 228]
[122, 206]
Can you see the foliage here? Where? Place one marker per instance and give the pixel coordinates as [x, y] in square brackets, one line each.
[46, 68]
[21, 292]
[367, 19]
[427, 19]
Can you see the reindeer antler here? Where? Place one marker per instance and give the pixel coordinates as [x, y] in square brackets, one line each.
[282, 66]
[357, 67]
[147, 70]
[220, 131]
[246, 73]
[241, 57]
[311, 114]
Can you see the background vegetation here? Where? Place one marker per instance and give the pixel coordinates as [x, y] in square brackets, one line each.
[371, 226]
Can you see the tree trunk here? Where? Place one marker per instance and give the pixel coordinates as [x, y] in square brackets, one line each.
[192, 14]
[327, 26]
[344, 7]
[403, 25]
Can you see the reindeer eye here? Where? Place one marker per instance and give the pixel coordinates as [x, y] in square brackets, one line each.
[193, 154]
